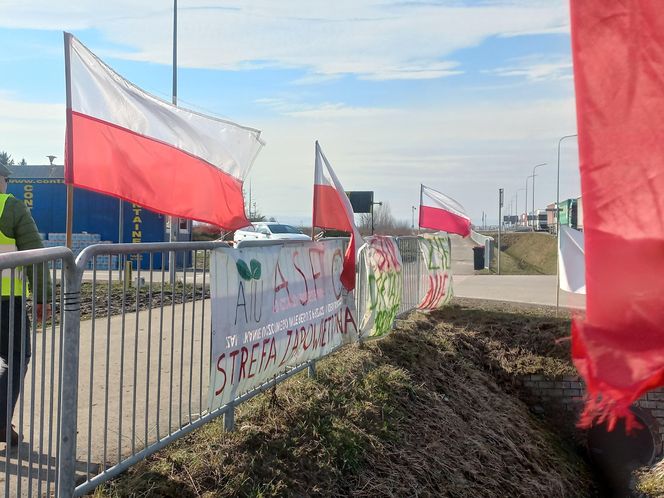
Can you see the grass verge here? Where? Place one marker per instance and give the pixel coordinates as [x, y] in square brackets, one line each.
[423, 412]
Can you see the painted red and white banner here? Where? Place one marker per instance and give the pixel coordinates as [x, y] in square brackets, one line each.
[440, 212]
[275, 307]
[618, 53]
[332, 210]
[127, 143]
[382, 286]
[435, 271]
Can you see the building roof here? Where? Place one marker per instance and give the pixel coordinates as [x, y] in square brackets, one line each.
[37, 171]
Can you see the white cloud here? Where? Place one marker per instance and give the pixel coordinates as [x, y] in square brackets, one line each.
[31, 130]
[372, 39]
[325, 111]
[538, 69]
[466, 151]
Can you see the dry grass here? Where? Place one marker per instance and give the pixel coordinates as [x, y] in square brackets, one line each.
[423, 412]
[650, 481]
[526, 253]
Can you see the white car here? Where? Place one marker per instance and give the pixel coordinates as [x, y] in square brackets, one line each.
[269, 231]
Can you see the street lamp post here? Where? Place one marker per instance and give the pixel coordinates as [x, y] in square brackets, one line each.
[517, 202]
[558, 222]
[526, 203]
[412, 225]
[534, 168]
[372, 214]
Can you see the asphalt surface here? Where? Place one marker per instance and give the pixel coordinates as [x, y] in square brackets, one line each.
[533, 289]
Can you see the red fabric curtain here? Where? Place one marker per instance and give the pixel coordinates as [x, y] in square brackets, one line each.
[618, 51]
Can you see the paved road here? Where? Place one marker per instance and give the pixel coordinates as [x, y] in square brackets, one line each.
[535, 289]
[462, 255]
[139, 370]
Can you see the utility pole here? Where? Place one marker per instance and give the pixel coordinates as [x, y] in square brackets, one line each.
[558, 223]
[533, 196]
[500, 209]
[412, 225]
[174, 222]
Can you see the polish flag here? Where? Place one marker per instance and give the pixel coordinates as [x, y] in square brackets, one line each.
[440, 212]
[127, 143]
[332, 210]
[618, 347]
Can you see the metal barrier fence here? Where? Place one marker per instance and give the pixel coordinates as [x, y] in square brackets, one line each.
[123, 367]
[414, 282]
[36, 353]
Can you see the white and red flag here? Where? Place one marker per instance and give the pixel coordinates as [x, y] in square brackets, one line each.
[440, 212]
[332, 210]
[618, 53]
[127, 143]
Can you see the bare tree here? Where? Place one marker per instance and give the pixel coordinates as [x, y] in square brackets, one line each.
[384, 222]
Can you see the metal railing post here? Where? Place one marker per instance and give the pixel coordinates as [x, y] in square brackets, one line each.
[229, 417]
[311, 370]
[69, 380]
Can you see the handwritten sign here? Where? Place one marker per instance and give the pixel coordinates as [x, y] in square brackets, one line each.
[275, 307]
[383, 265]
[436, 270]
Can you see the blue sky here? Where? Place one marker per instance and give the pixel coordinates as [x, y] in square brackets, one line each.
[463, 96]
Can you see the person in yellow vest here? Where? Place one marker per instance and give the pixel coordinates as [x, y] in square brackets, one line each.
[18, 232]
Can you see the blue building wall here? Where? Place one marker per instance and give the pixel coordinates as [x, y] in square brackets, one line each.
[93, 213]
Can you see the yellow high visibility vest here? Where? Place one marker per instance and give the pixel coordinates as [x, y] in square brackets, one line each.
[8, 245]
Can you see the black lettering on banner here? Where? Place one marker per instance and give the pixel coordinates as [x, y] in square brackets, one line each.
[241, 303]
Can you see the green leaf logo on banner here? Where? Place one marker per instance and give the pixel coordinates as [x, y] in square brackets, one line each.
[255, 269]
[243, 270]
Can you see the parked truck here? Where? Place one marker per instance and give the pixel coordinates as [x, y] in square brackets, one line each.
[568, 213]
[541, 221]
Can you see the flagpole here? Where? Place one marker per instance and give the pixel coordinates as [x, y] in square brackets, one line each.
[313, 211]
[69, 145]
[173, 220]
[420, 211]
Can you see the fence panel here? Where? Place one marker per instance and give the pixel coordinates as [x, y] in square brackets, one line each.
[145, 354]
[411, 257]
[32, 363]
[144, 359]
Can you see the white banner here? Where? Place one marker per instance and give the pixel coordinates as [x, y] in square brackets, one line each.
[382, 265]
[571, 260]
[436, 270]
[274, 307]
